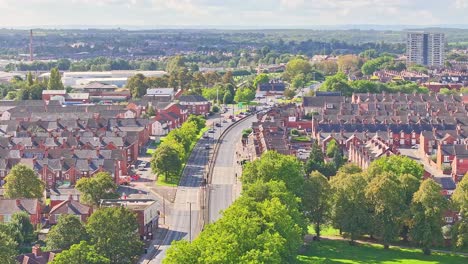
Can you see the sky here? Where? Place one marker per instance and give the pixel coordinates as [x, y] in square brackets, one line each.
[232, 13]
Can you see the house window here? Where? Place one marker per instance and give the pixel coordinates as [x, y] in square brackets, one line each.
[413, 142]
[402, 134]
[461, 160]
[446, 159]
[49, 176]
[402, 141]
[448, 219]
[414, 134]
[6, 218]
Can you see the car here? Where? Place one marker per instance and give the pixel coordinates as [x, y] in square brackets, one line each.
[206, 136]
[211, 131]
[207, 146]
[141, 167]
[415, 147]
[224, 121]
[233, 120]
[218, 124]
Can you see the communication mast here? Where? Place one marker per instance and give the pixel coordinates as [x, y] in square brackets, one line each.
[31, 45]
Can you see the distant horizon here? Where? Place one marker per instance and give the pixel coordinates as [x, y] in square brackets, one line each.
[393, 27]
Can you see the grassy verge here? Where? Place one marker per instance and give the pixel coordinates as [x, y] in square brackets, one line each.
[331, 251]
[162, 182]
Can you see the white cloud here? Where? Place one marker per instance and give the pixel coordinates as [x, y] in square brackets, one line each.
[461, 4]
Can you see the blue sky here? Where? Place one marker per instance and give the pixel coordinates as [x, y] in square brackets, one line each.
[257, 13]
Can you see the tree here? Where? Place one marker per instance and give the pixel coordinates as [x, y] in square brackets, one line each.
[337, 83]
[295, 67]
[22, 182]
[150, 111]
[261, 78]
[166, 162]
[244, 94]
[275, 166]
[137, 86]
[199, 121]
[82, 253]
[460, 201]
[228, 98]
[350, 212]
[118, 241]
[396, 164]
[68, 231]
[29, 79]
[427, 207]
[289, 93]
[8, 246]
[100, 186]
[227, 78]
[332, 148]
[175, 63]
[349, 63]
[21, 227]
[370, 66]
[317, 199]
[386, 198]
[55, 81]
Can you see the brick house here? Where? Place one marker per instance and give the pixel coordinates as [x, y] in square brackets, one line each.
[69, 207]
[195, 104]
[10, 206]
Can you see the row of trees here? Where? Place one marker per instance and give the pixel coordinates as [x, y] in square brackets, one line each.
[388, 201]
[265, 225]
[173, 152]
[339, 83]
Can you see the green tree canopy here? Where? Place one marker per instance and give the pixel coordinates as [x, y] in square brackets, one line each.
[397, 164]
[317, 200]
[460, 200]
[55, 81]
[350, 212]
[21, 227]
[373, 65]
[99, 186]
[275, 166]
[68, 231]
[82, 253]
[23, 182]
[113, 233]
[427, 208]
[166, 161]
[137, 85]
[386, 198]
[261, 78]
[244, 94]
[8, 251]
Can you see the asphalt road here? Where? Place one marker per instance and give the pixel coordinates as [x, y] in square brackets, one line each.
[186, 207]
[222, 192]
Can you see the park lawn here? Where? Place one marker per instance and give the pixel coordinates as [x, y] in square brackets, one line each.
[337, 251]
[325, 230]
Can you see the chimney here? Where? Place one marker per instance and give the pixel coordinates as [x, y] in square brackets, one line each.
[70, 198]
[18, 202]
[36, 250]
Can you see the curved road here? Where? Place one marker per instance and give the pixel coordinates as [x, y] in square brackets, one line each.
[188, 199]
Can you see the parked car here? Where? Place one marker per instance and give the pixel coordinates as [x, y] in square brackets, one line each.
[218, 124]
[207, 146]
[141, 166]
[206, 136]
[224, 121]
[211, 131]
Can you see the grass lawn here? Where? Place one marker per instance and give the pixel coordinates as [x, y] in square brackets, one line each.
[325, 230]
[161, 182]
[150, 151]
[328, 251]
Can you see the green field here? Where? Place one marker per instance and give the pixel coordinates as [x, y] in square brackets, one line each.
[331, 251]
